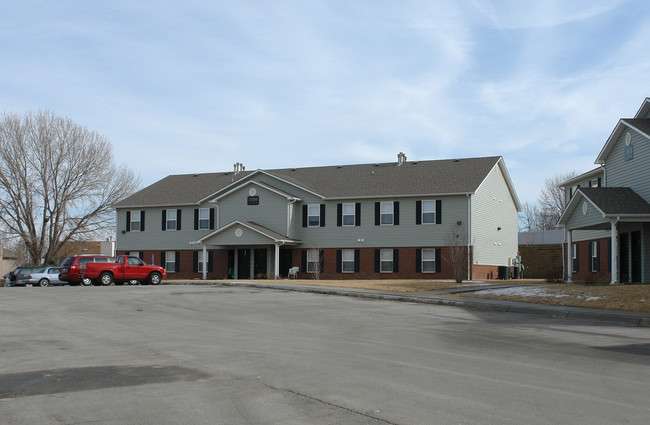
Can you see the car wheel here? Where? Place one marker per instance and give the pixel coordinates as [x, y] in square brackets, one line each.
[44, 282]
[105, 278]
[155, 278]
[86, 282]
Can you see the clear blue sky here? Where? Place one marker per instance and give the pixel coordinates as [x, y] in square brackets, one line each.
[195, 86]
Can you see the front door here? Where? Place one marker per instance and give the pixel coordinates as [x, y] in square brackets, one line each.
[630, 257]
[244, 263]
[285, 262]
[260, 263]
[635, 256]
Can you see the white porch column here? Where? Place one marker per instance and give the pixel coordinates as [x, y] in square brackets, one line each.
[205, 262]
[569, 256]
[276, 261]
[614, 254]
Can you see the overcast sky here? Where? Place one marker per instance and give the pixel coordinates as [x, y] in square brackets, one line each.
[195, 86]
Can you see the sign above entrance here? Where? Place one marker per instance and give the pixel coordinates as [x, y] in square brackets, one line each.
[253, 200]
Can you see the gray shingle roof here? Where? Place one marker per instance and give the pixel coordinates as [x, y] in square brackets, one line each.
[642, 124]
[616, 200]
[450, 176]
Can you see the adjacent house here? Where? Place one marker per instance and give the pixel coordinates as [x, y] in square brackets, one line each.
[404, 219]
[607, 218]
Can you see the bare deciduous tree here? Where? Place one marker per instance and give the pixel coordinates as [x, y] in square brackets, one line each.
[58, 182]
[457, 240]
[551, 204]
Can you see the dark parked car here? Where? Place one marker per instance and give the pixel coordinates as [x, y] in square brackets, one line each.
[71, 266]
[17, 277]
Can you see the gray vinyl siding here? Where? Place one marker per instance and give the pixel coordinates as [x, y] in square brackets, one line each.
[153, 237]
[634, 173]
[493, 208]
[589, 235]
[270, 213]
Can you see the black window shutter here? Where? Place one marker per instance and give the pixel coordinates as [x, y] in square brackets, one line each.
[590, 250]
[195, 261]
[418, 212]
[339, 260]
[164, 219]
[395, 260]
[438, 260]
[304, 261]
[357, 258]
[128, 221]
[418, 260]
[377, 214]
[178, 219]
[438, 211]
[357, 211]
[162, 259]
[141, 255]
[210, 261]
[600, 182]
[597, 260]
[589, 183]
[339, 215]
[177, 261]
[304, 216]
[211, 218]
[142, 221]
[396, 213]
[321, 260]
[377, 261]
[322, 215]
[609, 255]
[196, 219]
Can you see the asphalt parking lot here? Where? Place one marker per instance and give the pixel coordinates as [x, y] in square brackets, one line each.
[213, 355]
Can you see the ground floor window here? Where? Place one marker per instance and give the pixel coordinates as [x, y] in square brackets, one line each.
[347, 261]
[428, 260]
[313, 261]
[386, 260]
[170, 261]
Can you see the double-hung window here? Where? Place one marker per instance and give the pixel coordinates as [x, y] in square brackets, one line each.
[313, 215]
[171, 220]
[348, 214]
[575, 257]
[200, 262]
[313, 261]
[135, 221]
[386, 213]
[428, 212]
[428, 260]
[347, 260]
[170, 261]
[386, 260]
[204, 218]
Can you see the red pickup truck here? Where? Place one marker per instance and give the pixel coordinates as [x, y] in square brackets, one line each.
[124, 269]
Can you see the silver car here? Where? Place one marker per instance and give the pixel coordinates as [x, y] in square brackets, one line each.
[45, 276]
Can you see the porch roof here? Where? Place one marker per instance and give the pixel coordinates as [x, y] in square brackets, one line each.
[273, 236]
[622, 203]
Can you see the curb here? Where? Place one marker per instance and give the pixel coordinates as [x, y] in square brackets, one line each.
[560, 312]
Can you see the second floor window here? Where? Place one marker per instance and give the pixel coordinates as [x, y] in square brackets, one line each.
[171, 219]
[386, 213]
[429, 212]
[135, 221]
[313, 215]
[348, 214]
[204, 218]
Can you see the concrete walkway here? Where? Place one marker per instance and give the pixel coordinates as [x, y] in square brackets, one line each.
[444, 297]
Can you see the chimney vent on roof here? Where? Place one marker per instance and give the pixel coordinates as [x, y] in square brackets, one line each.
[401, 158]
[239, 167]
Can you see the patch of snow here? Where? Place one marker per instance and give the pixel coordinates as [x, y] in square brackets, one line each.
[522, 291]
[593, 298]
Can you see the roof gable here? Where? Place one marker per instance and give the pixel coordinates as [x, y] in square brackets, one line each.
[609, 201]
[640, 123]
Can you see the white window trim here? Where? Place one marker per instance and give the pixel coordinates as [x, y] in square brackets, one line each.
[135, 214]
[574, 251]
[382, 261]
[343, 215]
[317, 215]
[310, 253]
[382, 213]
[594, 254]
[423, 260]
[175, 220]
[173, 261]
[423, 212]
[205, 219]
[344, 261]
[200, 262]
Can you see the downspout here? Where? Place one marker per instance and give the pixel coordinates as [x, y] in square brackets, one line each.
[469, 236]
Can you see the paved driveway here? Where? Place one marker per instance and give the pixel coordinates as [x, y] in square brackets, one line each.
[206, 355]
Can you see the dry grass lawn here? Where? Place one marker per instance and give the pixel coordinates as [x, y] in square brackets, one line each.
[618, 297]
